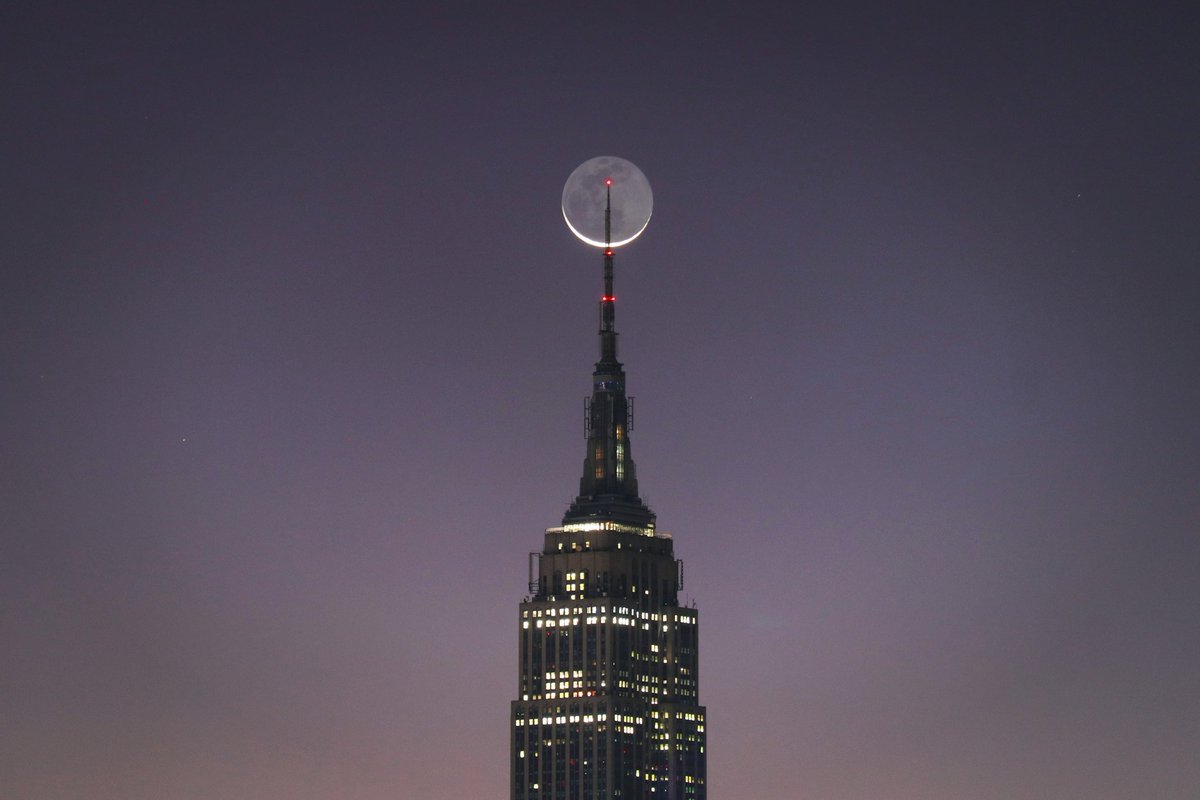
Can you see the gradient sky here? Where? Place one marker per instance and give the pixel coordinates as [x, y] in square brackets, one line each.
[294, 346]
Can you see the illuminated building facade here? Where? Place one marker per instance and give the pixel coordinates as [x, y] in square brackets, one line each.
[609, 696]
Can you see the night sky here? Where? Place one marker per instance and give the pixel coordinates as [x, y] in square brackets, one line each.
[294, 345]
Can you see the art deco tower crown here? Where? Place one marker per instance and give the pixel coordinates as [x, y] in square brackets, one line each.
[608, 489]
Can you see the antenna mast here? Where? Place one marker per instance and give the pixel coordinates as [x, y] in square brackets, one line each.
[608, 333]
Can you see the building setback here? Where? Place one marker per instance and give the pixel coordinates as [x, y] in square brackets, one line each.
[608, 679]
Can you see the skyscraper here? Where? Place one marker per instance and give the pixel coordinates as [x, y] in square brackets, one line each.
[608, 682]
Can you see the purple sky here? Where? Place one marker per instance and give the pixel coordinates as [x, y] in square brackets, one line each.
[294, 345]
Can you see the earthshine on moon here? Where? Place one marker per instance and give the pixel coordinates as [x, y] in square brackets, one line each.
[584, 195]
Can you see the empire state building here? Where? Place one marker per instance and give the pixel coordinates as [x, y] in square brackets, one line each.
[608, 703]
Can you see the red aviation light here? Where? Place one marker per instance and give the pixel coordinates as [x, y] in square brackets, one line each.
[608, 181]
[608, 252]
[608, 298]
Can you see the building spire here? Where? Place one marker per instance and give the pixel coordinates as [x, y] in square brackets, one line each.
[608, 302]
[608, 489]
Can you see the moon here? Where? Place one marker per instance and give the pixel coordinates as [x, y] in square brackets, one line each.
[584, 195]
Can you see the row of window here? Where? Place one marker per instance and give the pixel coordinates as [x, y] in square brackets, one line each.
[613, 527]
[680, 616]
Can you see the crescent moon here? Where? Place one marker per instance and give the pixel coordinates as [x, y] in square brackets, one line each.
[584, 196]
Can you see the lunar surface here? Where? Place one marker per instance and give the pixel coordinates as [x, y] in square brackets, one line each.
[583, 200]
